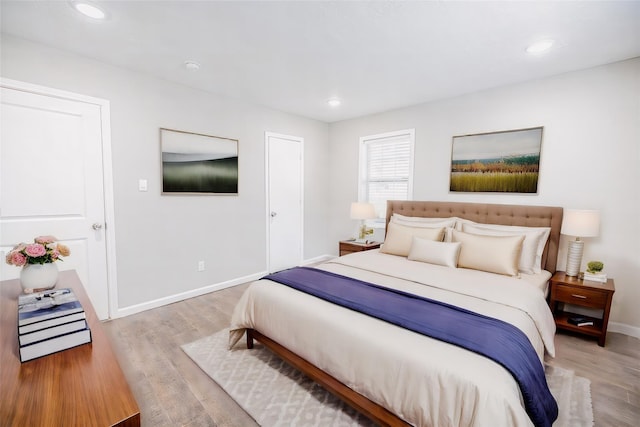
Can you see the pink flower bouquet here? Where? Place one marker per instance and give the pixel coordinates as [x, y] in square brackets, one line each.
[43, 250]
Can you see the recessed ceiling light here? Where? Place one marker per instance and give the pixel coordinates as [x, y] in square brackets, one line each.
[334, 102]
[88, 9]
[540, 46]
[191, 65]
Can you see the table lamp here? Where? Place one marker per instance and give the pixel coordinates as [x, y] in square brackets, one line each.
[362, 211]
[578, 223]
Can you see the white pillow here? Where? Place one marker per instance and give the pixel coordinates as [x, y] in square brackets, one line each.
[439, 253]
[495, 254]
[416, 221]
[399, 238]
[532, 247]
[529, 245]
[461, 221]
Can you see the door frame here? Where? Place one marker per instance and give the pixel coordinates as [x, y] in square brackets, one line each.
[107, 174]
[299, 140]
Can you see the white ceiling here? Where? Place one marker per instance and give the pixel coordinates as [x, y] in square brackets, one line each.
[374, 55]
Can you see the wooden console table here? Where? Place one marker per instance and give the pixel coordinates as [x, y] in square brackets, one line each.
[82, 386]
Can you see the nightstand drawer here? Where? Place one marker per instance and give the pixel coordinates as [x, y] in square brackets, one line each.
[583, 297]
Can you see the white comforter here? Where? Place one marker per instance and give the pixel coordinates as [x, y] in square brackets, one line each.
[422, 380]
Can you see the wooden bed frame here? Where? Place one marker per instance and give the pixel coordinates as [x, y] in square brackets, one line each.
[530, 216]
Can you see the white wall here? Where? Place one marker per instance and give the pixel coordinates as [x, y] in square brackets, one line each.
[590, 159]
[160, 238]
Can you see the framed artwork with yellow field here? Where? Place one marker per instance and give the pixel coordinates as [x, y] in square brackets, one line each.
[496, 162]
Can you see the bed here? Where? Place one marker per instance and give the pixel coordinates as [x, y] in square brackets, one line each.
[396, 376]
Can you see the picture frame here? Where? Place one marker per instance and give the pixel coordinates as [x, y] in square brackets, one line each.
[496, 162]
[194, 163]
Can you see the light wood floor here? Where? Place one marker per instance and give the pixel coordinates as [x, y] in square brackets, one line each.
[172, 391]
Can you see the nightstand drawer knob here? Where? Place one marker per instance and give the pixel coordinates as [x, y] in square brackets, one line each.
[578, 296]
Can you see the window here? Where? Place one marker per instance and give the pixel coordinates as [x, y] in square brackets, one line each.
[386, 168]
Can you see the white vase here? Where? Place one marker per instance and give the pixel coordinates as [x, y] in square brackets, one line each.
[38, 277]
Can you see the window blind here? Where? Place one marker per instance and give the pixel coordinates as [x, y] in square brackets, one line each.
[387, 169]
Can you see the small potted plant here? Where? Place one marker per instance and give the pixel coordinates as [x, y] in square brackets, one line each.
[594, 272]
[594, 267]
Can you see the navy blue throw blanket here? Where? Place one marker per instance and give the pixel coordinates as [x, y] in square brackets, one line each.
[493, 338]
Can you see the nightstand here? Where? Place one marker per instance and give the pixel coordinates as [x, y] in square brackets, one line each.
[582, 293]
[350, 246]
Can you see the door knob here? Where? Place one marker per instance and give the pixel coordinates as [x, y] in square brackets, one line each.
[96, 226]
[273, 214]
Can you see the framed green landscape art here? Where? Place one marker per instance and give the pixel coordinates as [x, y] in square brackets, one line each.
[198, 164]
[497, 162]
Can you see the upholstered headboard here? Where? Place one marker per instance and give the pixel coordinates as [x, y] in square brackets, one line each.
[530, 216]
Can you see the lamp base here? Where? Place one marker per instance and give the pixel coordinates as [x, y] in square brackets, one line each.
[574, 257]
[362, 232]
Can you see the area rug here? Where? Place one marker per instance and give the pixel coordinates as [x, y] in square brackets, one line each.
[275, 394]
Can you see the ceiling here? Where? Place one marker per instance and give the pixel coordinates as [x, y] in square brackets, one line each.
[374, 55]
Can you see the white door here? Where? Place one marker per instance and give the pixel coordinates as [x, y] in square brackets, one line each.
[51, 181]
[284, 201]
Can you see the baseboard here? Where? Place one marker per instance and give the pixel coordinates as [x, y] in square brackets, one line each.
[623, 328]
[137, 308]
[318, 259]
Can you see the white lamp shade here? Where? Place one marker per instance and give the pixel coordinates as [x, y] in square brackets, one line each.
[580, 223]
[362, 211]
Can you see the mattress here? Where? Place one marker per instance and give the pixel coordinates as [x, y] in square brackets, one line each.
[424, 381]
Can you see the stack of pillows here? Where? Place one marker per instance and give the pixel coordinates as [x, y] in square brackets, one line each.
[456, 242]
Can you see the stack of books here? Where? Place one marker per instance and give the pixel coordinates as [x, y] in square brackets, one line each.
[580, 321]
[49, 322]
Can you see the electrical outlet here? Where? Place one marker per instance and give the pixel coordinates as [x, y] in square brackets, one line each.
[200, 265]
